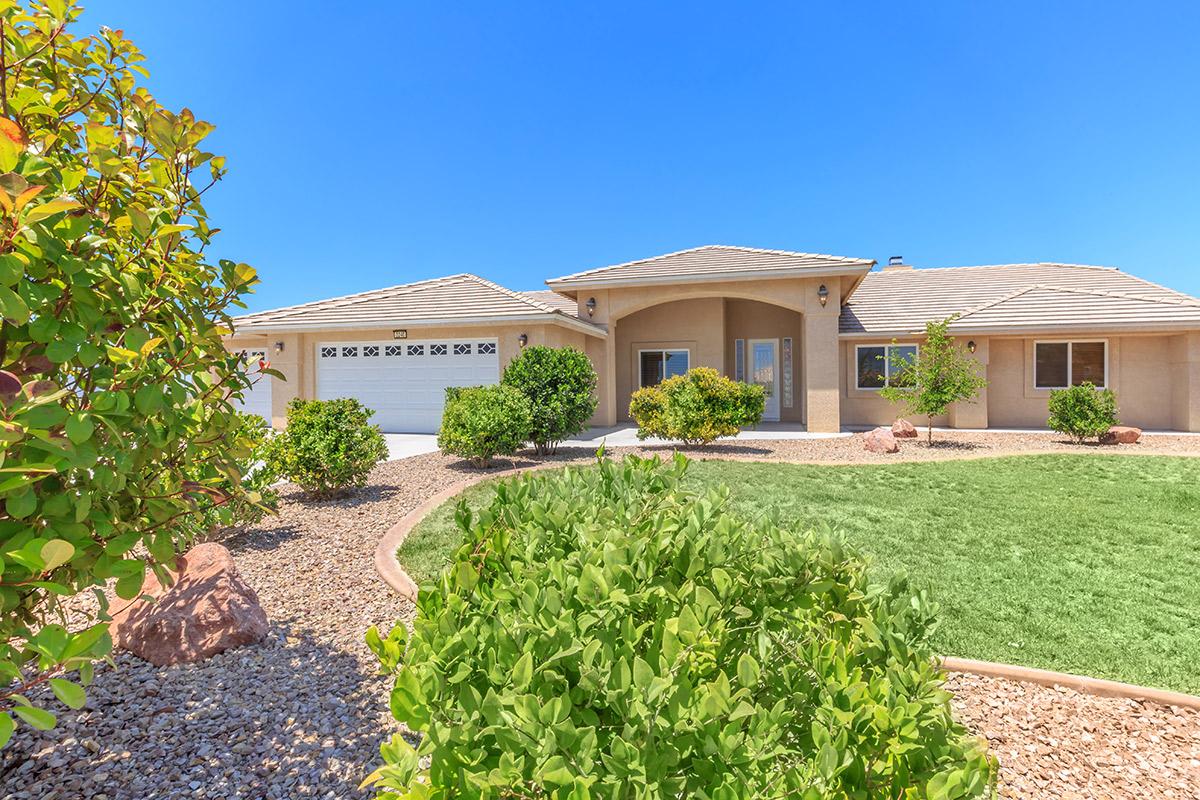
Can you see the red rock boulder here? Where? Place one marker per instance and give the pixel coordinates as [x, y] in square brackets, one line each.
[881, 440]
[903, 429]
[1121, 434]
[208, 610]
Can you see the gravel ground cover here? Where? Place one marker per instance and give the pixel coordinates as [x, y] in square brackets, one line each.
[1057, 743]
[302, 714]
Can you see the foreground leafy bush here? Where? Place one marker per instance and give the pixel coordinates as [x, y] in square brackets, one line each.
[328, 447]
[697, 407]
[560, 384]
[1082, 411]
[249, 496]
[482, 422]
[117, 434]
[601, 633]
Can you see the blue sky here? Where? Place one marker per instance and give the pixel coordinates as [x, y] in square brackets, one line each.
[388, 142]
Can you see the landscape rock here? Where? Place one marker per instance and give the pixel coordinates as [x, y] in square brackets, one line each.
[1121, 434]
[903, 429]
[881, 440]
[209, 609]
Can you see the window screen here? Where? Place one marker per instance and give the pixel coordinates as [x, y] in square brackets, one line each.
[658, 365]
[872, 367]
[1087, 363]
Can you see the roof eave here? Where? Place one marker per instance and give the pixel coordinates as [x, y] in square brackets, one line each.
[552, 318]
[573, 285]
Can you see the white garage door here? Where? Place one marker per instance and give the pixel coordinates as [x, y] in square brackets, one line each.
[405, 382]
[257, 399]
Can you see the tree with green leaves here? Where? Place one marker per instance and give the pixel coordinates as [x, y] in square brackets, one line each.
[119, 443]
[940, 374]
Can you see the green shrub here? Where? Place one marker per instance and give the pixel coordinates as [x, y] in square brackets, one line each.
[697, 407]
[328, 447]
[117, 433]
[481, 422]
[561, 386]
[601, 633]
[1082, 411]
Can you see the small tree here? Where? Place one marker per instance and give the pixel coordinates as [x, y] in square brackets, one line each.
[941, 374]
[328, 448]
[560, 384]
[1082, 411]
[118, 436]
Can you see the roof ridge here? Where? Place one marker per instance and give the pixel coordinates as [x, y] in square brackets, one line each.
[351, 298]
[997, 301]
[739, 248]
[1180, 300]
[538, 304]
[997, 266]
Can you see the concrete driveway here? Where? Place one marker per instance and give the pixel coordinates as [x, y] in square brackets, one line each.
[403, 445]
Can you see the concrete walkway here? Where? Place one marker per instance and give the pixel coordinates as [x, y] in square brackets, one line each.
[626, 435]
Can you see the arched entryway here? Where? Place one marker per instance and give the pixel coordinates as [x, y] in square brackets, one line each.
[742, 338]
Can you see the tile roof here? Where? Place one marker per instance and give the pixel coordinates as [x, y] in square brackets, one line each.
[555, 300]
[454, 299]
[1013, 297]
[711, 262]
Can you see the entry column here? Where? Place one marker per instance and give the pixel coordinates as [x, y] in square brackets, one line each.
[822, 368]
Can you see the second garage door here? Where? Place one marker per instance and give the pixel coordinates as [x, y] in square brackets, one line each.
[405, 382]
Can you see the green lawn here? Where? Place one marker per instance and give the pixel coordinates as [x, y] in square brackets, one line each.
[1087, 564]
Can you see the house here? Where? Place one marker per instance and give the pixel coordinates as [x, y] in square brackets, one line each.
[812, 328]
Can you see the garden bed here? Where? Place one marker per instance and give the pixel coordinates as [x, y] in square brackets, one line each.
[302, 714]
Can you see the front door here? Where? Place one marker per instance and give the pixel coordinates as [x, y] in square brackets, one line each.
[764, 370]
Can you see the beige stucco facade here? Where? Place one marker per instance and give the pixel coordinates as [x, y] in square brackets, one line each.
[297, 359]
[1154, 372]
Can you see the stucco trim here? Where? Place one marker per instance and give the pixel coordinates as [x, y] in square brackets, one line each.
[712, 277]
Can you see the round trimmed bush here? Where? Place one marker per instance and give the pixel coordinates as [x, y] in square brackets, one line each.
[603, 633]
[328, 448]
[1082, 411]
[482, 422]
[561, 386]
[697, 407]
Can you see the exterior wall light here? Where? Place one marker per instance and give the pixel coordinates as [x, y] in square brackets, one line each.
[823, 294]
[591, 306]
[523, 339]
[279, 347]
[971, 346]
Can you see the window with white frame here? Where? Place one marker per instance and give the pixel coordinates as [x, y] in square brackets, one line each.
[876, 364]
[655, 366]
[1057, 365]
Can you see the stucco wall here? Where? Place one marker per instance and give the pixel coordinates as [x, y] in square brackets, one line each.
[747, 319]
[297, 362]
[864, 407]
[694, 325]
[1140, 371]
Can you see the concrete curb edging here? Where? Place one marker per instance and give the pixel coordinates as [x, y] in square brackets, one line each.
[1079, 683]
[401, 582]
[385, 552]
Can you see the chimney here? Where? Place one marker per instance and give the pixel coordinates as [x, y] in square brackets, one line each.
[896, 263]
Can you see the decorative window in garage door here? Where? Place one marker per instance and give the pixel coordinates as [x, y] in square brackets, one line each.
[349, 352]
[393, 350]
[437, 349]
[485, 348]
[462, 349]
[371, 350]
[328, 352]
[416, 349]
